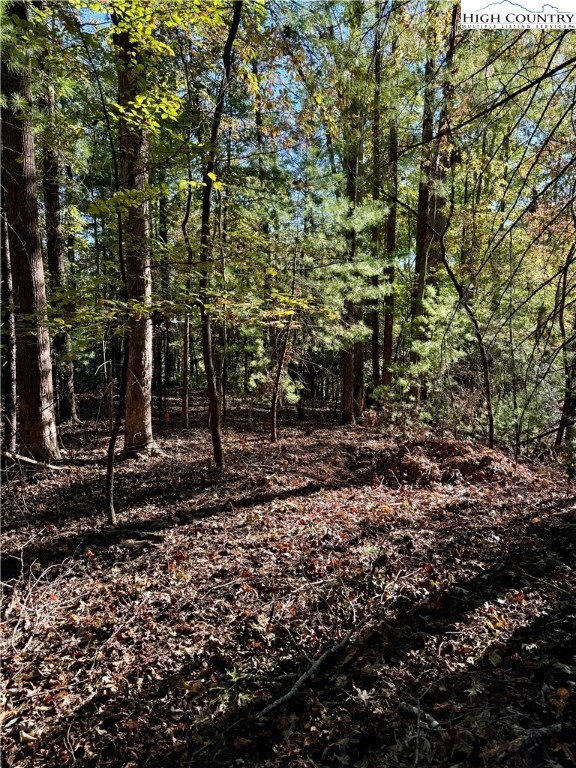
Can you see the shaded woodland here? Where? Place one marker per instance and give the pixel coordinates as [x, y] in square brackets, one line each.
[288, 386]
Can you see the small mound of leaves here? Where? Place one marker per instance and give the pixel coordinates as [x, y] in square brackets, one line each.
[434, 459]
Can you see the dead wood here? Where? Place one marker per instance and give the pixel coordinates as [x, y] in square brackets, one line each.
[25, 460]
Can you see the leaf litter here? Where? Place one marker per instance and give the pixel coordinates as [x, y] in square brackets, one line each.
[343, 598]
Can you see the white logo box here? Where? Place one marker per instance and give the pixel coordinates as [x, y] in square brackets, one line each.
[480, 14]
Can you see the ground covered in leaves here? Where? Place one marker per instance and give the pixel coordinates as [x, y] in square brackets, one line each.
[346, 597]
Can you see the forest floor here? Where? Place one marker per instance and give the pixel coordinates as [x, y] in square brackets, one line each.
[412, 596]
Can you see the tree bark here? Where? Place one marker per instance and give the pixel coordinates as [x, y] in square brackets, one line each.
[167, 332]
[8, 346]
[33, 358]
[423, 236]
[359, 389]
[388, 334]
[133, 158]
[63, 368]
[347, 373]
[376, 188]
[214, 408]
[352, 359]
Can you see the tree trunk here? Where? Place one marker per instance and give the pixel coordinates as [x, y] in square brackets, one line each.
[359, 375]
[158, 379]
[136, 244]
[423, 236]
[206, 245]
[347, 373]
[376, 188]
[167, 332]
[281, 353]
[388, 338]
[8, 346]
[63, 370]
[352, 359]
[111, 511]
[33, 358]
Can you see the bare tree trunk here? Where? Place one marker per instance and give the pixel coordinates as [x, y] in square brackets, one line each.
[163, 362]
[281, 355]
[388, 336]
[423, 237]
[157, 379]
[376, 188]
[33, 359]
[185, 371]
[63, 369]
[185, 381]
[8, 346]
[111, 511]
[347, 374]
[206, 245]
[280, 360]
[359, 391]
[136, 245]
[352, 359]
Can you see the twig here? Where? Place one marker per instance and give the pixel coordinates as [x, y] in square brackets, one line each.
[421, 716]
[310, 672]
[547, 583]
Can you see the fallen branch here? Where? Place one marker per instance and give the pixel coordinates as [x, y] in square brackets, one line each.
[41, 464]
[310, 672]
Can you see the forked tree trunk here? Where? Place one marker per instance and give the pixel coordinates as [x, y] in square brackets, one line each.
[33, 359]
[136, 245]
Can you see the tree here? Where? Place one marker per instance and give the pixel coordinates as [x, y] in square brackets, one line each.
[133, 158]
[8, 344]
[52, 171]
[208, 179]
[33, 359]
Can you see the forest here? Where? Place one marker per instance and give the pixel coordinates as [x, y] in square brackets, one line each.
[288, 386]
